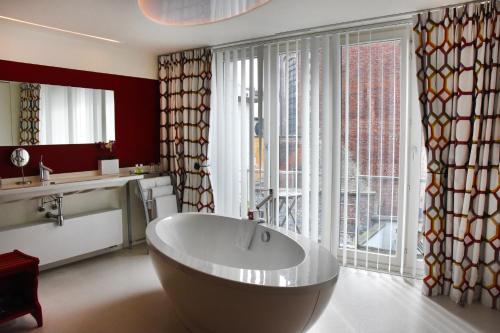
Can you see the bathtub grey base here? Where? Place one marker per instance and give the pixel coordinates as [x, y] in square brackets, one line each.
[206, 303]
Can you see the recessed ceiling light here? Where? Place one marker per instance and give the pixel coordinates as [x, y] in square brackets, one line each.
[195, 12]
[58, 29]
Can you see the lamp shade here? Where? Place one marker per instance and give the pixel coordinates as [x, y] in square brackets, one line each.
[195, 12]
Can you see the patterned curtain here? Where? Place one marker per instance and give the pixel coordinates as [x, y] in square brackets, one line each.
[185, 116]
[457, 67]
[29, 120]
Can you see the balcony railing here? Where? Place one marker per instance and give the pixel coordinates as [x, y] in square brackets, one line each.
[376, 224]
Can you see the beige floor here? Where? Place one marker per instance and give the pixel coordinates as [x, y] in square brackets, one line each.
[119, 292]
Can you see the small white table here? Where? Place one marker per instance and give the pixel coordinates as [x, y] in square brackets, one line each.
[293, 196]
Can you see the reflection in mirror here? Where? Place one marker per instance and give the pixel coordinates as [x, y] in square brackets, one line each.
[42, 114]
[20, 158]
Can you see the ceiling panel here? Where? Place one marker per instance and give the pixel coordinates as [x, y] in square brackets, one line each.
[122, 20]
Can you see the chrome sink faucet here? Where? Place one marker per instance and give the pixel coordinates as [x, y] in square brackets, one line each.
[44, 171]
[58, 204]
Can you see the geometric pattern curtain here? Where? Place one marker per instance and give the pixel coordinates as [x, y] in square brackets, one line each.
[29, 120]
[184, 125]
[457, 55]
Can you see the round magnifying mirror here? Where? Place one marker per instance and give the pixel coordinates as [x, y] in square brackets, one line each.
[20, 157]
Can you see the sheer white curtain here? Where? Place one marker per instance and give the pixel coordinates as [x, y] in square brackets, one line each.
[75, 115]
[276, 136]
[229, 151]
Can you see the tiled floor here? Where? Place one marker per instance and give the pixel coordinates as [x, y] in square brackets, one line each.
[119, 292]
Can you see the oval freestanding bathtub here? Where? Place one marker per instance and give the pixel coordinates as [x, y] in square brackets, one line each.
[227, 275]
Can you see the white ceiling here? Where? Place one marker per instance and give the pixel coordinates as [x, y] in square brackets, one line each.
[122, 20]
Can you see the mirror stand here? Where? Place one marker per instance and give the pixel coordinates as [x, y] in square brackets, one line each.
[23, 181]
[20, 158]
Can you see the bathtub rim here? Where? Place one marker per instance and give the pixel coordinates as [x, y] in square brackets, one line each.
[239, 284]
[313, 252]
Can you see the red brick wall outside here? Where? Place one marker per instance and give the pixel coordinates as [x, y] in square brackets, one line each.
[374, 92]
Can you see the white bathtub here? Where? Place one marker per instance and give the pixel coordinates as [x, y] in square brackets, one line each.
[215, 285]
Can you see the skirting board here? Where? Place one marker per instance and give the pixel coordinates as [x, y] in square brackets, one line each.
[72, 260]
[91, 255]
[79, 235]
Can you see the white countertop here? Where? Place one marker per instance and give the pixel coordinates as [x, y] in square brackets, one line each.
[69, 183]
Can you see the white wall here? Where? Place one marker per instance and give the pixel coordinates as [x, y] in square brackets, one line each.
[24, 43]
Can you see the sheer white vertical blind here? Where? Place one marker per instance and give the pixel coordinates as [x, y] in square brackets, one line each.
[300, 108]
[294, 126]
[305, 82]
[376, 232]
[230, 146]
[330, 140]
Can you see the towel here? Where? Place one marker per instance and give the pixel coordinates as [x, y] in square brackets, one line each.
[147, 183]
[161, 191]
[162, 181]
[165, 206]
[245, 234]
[147, 199]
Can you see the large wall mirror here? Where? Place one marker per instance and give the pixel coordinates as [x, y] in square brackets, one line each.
[43, 114]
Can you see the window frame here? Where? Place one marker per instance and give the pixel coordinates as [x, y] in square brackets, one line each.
[404, 260]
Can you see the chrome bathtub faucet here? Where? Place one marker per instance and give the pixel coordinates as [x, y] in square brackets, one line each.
[257, 214]
[58, 204]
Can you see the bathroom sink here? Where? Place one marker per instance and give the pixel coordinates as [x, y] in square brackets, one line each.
[78, 179]
[62, 185]
[61, 180]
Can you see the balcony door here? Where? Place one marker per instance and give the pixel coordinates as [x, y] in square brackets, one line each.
[326, 122]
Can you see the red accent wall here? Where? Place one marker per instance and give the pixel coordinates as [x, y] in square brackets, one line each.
[136, 120]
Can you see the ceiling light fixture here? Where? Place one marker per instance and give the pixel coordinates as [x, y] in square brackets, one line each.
[195, 12]
[58, 29]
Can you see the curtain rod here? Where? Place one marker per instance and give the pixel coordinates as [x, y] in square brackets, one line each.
[185, 50]
[310, 33]
[375, 22]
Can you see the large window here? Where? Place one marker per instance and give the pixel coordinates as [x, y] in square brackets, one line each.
[332, 130]
[371, 145]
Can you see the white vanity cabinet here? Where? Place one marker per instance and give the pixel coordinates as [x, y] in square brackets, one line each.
[78, 236]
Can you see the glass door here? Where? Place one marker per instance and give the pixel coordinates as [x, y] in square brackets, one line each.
[373, 149]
